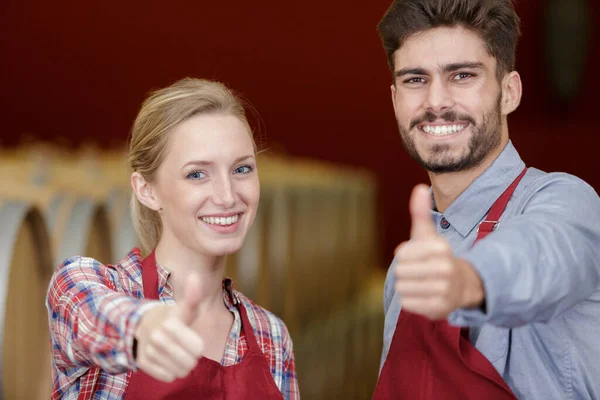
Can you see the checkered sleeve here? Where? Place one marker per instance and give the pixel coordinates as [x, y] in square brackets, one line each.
[290, 381]
[92, 317]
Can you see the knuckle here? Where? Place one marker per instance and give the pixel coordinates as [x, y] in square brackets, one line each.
[157, 337]
[445, 267]
[201, 346]
[399, 273]
[441, 308]
[167, 327]
[399, 287]
[189, 365]
[441, 246]
[185, 361]
[149, 354]
[401, 250]
[444, 288]
[445, 247]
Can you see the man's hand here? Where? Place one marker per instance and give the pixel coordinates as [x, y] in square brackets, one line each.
[168, 348]
[430, 280]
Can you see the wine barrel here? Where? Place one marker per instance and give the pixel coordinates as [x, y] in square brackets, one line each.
[78, 224]
[86, 232]
[25, 270]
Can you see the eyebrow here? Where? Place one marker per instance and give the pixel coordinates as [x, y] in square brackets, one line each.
[463, 65]
[446, 68]
[410, 71]
[204, 162]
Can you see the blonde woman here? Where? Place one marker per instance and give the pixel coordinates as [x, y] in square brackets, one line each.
[169, 325]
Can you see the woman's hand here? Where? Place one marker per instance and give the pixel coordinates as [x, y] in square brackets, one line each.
[168, 348]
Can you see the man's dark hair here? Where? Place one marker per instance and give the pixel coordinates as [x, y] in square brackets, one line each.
[495, 21]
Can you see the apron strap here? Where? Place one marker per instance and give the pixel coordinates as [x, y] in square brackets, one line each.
[150, 277]
[485, 228]
[247, 327]
[491, 221]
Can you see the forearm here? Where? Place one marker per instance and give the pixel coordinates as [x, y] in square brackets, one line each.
[90, 323]
[532, 271]
[101, 334]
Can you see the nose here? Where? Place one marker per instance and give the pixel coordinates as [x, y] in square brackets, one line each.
[439, 98]
[224, 193]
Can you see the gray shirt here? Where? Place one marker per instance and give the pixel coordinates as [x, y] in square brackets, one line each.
[541, 274]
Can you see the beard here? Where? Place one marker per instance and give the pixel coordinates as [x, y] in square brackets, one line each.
[485, 137]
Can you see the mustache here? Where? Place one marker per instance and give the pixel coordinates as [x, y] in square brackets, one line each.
[448, 116]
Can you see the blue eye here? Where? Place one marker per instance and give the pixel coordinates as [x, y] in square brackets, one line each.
[195, 175]
[244, 169]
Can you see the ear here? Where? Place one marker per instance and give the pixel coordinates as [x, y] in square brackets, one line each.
[512, 91]
[145, 192]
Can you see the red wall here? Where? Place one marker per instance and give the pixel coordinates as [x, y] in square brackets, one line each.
[314, 70]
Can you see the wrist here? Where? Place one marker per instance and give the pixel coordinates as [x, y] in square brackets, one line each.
[141, 324]
[474, 292]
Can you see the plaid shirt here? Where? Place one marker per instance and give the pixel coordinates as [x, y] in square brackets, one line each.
[94, 309]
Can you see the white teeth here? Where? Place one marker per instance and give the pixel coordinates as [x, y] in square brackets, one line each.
[221, 220]
[441, 130]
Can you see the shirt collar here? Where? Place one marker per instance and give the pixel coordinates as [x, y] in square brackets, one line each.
[133, 265]
[475, 202]
[230, 297]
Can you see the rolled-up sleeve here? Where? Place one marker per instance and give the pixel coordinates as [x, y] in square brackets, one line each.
[541, 262]
[91, 324]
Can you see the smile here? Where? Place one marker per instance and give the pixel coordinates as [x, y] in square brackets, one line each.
[222, 221]
[442, 130]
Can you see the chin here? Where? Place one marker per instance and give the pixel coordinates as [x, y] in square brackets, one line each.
[224, 249]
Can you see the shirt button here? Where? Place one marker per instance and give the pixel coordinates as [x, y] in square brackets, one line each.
[444, 223]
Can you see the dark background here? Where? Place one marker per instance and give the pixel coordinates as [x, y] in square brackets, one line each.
[74, 72]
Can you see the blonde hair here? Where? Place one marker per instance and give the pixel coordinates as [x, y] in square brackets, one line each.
[162, 111]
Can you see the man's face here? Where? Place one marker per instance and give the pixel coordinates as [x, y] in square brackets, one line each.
[447, 99]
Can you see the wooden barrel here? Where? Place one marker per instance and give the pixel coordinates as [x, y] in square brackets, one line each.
[99, 224]
[102, 181]
[86, 232]
[122, 231]
[103, 177]
[271, 242]
[25, 271]
[277, 236]
[78, 224]
[251, 268]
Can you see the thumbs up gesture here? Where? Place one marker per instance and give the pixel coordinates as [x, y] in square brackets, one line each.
[429, 279]
[168, 348]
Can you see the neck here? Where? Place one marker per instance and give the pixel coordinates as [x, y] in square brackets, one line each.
[448, 186]
[181, 262]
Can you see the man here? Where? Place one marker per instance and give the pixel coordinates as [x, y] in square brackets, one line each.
[499, 282]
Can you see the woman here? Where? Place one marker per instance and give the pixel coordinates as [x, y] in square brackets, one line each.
[169, 325]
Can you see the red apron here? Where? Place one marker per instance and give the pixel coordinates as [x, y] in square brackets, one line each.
[432, 360]
[250, 379]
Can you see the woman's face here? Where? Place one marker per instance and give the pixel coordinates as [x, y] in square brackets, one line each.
[207, 186]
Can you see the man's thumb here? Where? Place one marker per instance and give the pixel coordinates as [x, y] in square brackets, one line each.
[422, 225]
